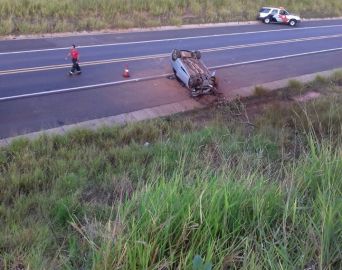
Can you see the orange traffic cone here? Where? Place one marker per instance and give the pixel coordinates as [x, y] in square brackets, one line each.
[126, 73]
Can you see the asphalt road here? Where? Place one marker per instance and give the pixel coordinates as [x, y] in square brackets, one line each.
[36, 92]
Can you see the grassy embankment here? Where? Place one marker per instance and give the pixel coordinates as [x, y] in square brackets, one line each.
[47, 16]
[242, 187]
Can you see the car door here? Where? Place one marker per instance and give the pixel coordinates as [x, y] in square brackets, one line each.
[274, 15]
[282, 16]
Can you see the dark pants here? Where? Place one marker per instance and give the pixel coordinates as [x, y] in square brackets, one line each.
[75, 66]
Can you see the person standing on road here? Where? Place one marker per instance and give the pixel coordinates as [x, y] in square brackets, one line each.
[75, 57]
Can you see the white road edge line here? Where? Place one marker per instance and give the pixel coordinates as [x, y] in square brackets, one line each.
[276, 58]
[83, 87]
[160, 76]
[171, 39]
[164, 55]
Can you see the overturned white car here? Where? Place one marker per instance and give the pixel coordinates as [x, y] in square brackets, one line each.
[191, 71]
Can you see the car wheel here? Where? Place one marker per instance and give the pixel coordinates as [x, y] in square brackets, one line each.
[292, 23]
[198, 54]
[176, 54]
[214, 81]
[267, 20]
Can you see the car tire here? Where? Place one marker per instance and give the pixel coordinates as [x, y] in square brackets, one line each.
[191, 81]
[176, 54]
[267, 20]
[215, 81]
[198, 54]
[292, 23]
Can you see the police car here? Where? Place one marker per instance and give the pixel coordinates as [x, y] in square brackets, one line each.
[278, 15]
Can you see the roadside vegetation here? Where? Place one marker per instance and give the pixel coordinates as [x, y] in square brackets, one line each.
[49, 16]
[240, 185]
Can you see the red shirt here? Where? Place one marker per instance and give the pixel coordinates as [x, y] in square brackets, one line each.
[74, 54]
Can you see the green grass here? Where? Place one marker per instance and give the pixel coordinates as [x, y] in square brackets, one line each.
[266, 196]
[260, 91]
[42, 16]
[296, 86]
